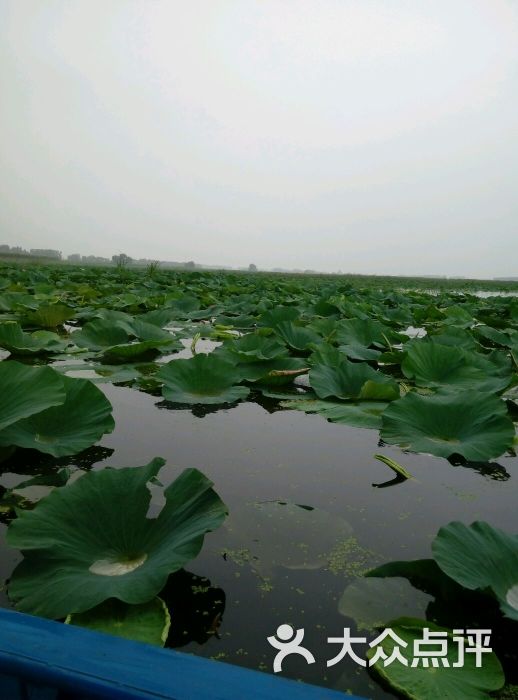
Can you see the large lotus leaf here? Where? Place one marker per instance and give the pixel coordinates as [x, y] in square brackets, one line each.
[255, 348]
[92, 540]
[481, 557]
[363, 414]
[454, 337]
[360, 352]
[158, 317]
[205, 379]
[100, 334]
[143, 330]
[27, 390]
[126, 300]
[241, 321]
[457, 316]
[423, 574]
[50, 315]
[323, 307]
[493, 335]
[441, 366]
[184, 306]
[429, 683]
[273, 372]
[117, 318]
[297, 337]
[280, 314]
[473, 425]
[102, 373]
[13, 339]
[131, 351]
[326, 354]
[113, 336]
[146, 622]
[366, 332]
[495, 362]
[65, 429]
[350, 380]
[325, 328]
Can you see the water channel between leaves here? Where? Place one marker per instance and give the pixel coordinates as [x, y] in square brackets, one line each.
[262, 569]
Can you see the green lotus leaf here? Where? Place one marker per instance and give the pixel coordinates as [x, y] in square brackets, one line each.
[243, 321]
[428, 683]
[454, 337]
[144, 331]
[28, 492]
[374, 390]
[365, 333]
[92, 540]
[27, 390]
[100, 334]
[131, 351]
[158, 317]
[275, 372]
[280, 314]
[115, 337]
[364, 414]
[297, 337]
[17, 342]
[58, 478]
[146, 622]
[482, 557]
[493, 335]
[116, 318]
[457, 316]
[441, 366]
[102, 373]
[360, 352]
[255, 348]
[470, 424]
[50, 315]
[326, 354]
[324, 327]
[350, 380]
[65, 429]
[423, 574]
[205, 379]
[184, 306]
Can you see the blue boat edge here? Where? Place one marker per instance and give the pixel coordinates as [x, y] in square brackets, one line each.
[45, 660]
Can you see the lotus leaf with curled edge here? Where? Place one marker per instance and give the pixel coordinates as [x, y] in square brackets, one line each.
[92, 540]
[473, 425]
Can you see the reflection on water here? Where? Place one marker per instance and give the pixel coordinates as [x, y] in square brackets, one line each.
[24, 461]
[196, 607]
[491, 470]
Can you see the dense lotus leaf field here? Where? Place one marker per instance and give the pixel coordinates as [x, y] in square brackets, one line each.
[326, 451]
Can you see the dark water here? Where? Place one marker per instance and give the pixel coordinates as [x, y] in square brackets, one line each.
[253, 454]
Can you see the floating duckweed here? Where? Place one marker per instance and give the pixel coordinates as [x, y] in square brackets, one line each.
[350, 558]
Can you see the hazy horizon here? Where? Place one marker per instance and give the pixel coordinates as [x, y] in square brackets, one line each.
[365, 137]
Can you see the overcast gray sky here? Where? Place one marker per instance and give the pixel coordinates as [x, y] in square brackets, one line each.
[372, 136]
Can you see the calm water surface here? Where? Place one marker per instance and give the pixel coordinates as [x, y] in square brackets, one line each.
[267, 565]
